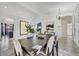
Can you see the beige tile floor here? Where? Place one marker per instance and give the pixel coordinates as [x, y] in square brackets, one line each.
[9, 51]
[66, 48]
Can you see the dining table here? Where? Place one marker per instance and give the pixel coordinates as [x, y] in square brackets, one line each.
[29, 44]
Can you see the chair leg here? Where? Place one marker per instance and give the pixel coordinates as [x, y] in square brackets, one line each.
[52, 52]
[15, 53]
[25, 50]
[57, 49]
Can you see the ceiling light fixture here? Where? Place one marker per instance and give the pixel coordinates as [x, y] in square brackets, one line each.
[5, 7]
[59, 15]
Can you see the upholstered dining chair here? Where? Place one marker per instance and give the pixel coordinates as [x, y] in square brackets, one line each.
[49, 47]
[17, 48]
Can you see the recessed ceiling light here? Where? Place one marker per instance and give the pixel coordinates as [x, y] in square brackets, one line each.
[5, 6]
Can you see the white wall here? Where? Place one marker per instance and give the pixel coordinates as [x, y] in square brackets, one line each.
[17, 27]
[76, 25]
[17, 13]
[16, 21]
[51, 19]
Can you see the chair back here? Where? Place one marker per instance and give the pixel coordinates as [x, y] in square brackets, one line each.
[50, 46]
[17, 46]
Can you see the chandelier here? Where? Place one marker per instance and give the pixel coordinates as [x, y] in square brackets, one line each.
[59, 14]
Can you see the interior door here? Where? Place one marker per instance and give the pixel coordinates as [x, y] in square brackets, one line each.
[69, 29]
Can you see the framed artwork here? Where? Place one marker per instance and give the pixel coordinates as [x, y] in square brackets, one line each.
[23, 28]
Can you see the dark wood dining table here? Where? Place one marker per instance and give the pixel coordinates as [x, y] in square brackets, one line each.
[29, 43]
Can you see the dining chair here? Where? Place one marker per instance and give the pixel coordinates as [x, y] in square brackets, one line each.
[49, 47]
[17, 48]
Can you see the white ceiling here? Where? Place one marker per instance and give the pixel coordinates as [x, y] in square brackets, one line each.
[50, 7]
[15, 9]
[40, 8]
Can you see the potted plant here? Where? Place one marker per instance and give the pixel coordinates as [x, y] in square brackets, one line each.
[29, 29]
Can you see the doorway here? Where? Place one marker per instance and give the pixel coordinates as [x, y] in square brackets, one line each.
[66, 26]
[7, 30]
